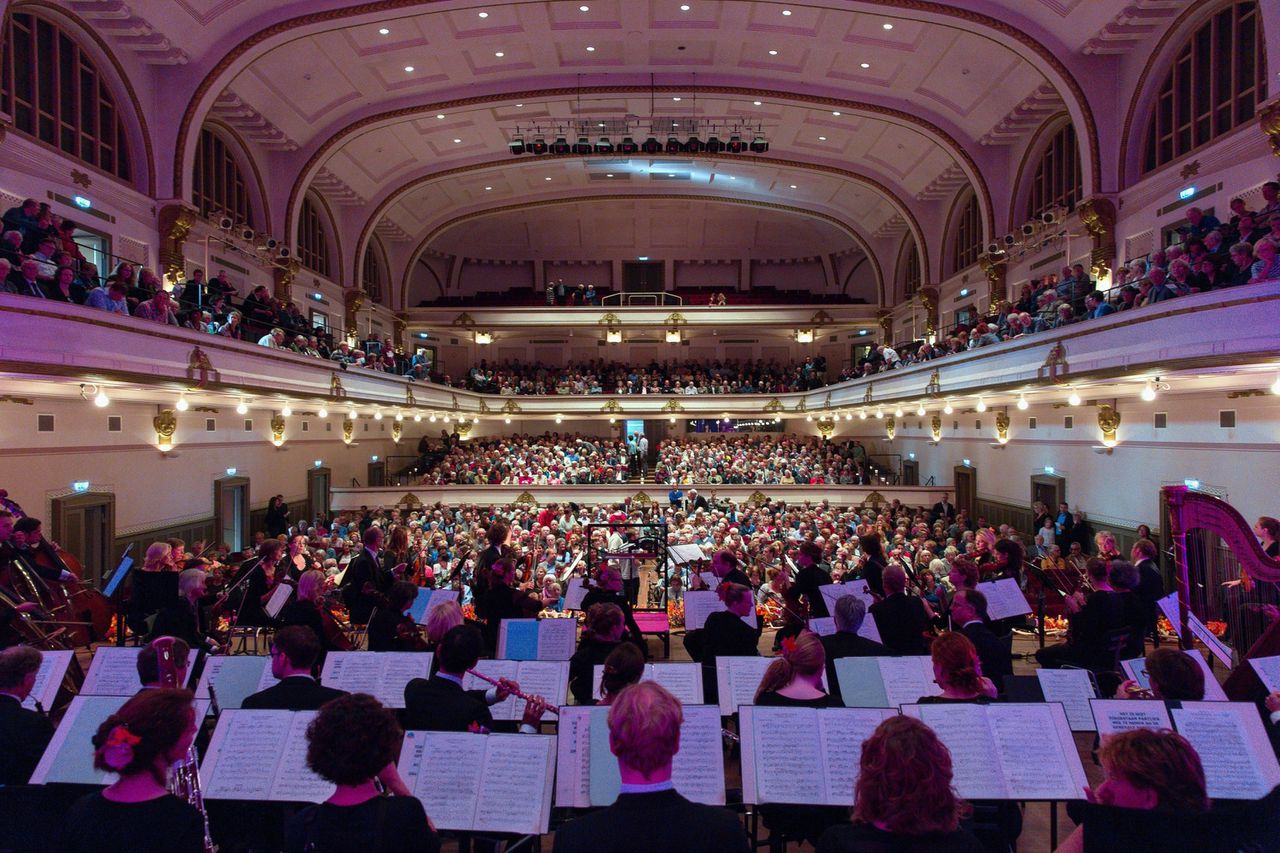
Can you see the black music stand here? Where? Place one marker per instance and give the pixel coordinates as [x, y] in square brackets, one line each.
[1044, 581]
[111, 589]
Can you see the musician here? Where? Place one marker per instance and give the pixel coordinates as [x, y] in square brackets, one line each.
[649, 816]
[1171, 675]
[441, 619]
[395, 557]
[608, 590]
[1009, 558]
[794, 680]
[873, 563]
[601, 635]
[24, 734]
[308, 608]
[724, 634]
[190, 619]
[902, 619]
[725, 566]
[497, 536]
[392, 629]
[353, 742]
[969, 617]
[365, 569]
[903, 799]
[1108, 609]
[297, 560]
[810, 577]
[440, 704]
[623, 667]
[294, 650]
[504, 600]
[850, 613]
[1105, 541]
[41, 555]
[155, 586]
[139, 743]
[154, 672]
[1267, 530]
[258, 578]
[1150, 584]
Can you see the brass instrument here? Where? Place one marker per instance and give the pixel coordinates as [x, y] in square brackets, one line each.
[184, 777]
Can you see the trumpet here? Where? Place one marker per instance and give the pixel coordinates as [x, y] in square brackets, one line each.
[184, 783]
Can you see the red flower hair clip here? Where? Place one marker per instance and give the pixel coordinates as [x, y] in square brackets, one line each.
[788, 646]
[117, 752]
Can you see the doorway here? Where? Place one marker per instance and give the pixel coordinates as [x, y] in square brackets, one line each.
[231, 511]
[642, 277]
[910, 472]
[84, 525]
[966, 482]
[377, 474]
[318, 480]
[1049, 489]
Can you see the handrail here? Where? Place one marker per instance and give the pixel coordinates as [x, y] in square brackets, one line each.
[626, 298]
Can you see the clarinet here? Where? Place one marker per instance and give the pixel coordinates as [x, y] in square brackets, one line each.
[184, 783]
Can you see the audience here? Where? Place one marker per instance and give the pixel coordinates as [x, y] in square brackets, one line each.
[771, 460]
[669, 377]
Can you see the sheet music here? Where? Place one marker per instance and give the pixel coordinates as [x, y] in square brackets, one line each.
[683, 680]
[833, 592]
[279, 597]
[1004, 598]
[1268, 670]
[557, 639]
[697, 770]
[262, 755]
[738, 678]
[445, 773]
[990, 745]
[548, 679]
[423, 604]
[1231, 740]
[380, 674]
[843, 731]
[537, 639]
[573, 757]
[53, 666]
[114, 671]
[684, 554]
[69, 755]
[701, 603]
[1073, 689]
[824, 626]
[574, 593]
[710, 579]
[235, 678]
[885, 682]
[1136, 668]
[1169, 607]
[568, 571]
[1124, 715]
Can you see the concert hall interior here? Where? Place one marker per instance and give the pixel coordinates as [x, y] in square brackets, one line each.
[639, 426]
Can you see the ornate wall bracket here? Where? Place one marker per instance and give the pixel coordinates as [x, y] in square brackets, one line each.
[1002, 427]
[200, 369]
[1055, 367]
[175, 224]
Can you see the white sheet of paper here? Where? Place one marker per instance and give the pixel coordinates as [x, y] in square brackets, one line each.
[1169, 607]
[1004, 598]
[261, 755]
[568, 570]
[1136, 668]
[114, 671]
[380, 674]
[1073, 689]
[1113, 716]
[1268, 670]
[701, 603]
[278, 599]
[235, 678]
[738, 678]
[684, 554]
[53, 666]
[548, 679]
[574, 593]
[1233, 747]
[824, 626]
[683, 680]
[573, 757]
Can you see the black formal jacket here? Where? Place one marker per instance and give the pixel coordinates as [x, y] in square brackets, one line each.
[296, 693]
[582, 667]
[992, 652]
[902, 622]
[23, 737]
[807, 582]
[1150, 590]
[183, 621]
[439, 705]
[362, 569]
[595, 595]
[659, 822]
[842, 644]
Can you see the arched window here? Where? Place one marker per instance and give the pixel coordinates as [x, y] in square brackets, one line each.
[966, 242]
[910, 260]
[313, 242]
[54, 92]
[373, 273]
[218, 186]
[1215, 85]
[1057, 181]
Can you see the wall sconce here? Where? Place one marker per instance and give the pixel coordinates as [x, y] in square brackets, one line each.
[890, 428]
[277, 430]
[673, 336]
[935, 427]
[348, 429]
[396, 428]
[613, 336]
[1108, 422]
[165, 424]
[804, 336]
[484, 338]
[1002, 427]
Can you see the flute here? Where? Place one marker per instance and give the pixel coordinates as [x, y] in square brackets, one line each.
[555, 709]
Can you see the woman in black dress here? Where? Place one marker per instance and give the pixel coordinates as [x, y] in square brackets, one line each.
[873, 563]
[277, 520]
[726, 634]
[139, 743]
[261, 582]
[600, 636]
[353, 742]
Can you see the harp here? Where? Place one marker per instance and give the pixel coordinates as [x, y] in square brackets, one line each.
[1214, 545]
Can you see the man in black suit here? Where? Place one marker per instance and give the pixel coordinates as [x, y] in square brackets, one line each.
[293, 654]
[1150, 584]
[23, 734]
[497, 534]
[969, 616]
[850, 613]
[810, 578]
[649, 816]
[439, 704]
[365, 567]
[902, 619]
[944, 509]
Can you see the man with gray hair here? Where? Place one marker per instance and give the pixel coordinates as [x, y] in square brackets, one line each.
[24, 734]
[849, 614]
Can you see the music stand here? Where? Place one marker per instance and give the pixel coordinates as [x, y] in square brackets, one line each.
[1044, 581]
[111, 589]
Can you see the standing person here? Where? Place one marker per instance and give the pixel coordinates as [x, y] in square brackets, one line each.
[642, 445]
[139, 743]
[873, 563]
[24, 734]
[365, 570]
[810, 579]
[277, 520]
[649, 816]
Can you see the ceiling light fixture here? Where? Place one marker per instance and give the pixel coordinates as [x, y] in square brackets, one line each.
[351, 413]
[439, 115]
[864, 64]
[920, 410]
[590, 49]
[1149, 391]
[879, 412]
[182, 405]
[786, 13]
[408, 69]
[101, 400]
[835, 112]
[773, 53]
[417, 417]
[323, 413]
[242, 409]
[982, 405]
[947, 409]
[377, 414]
[684, 8]
[484, 14]
[1074, 399]
[584, 8]
[822, 139]
[1023, 405]
[384, 32]
[499, 54]
[862, 414]
[887, 26]
[757, 103]
[456, 141]
[287, 411]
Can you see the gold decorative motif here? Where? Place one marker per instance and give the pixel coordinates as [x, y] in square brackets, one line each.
[400, 324]
[758, 498]
[526, 498]
[456, 407]
[285, 272]
[484, 408]
[934, 387]
[176, 222]
[396, 429]
[674, 406]
[81, 179]
[884, 319]
[409, 500]
[771, 407]
[206, 409]
[611, 408]
[353, 301]
[935, 427]
[802, 406]
[165, 425]
[820, 318]
[641, 499]
[21, 401]
[874, 499]
[464, 320]
[1190, 170]
[1099, 218]
[1100, 261]
[463, 428]
[826, 428]
[1108, 422]
[335, 387]
[1269, 121]
[1055, 366]
[198, 365]
[409, 399]
[1252, 392]
[928, 295]
[610, 319]
[676, 319]
[348, 429]
[277, 429]
[1002, 427]
[994, 270]
[512, 408]
[890, 428]
[867, 395]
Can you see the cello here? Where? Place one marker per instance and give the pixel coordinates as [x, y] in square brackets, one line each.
[71, 600]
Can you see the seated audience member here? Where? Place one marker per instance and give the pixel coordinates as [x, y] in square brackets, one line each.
[440, 704]
[795, 678]
[649, 816]
[724, 634]
[903, 799]
[1144, 770]
[307, 609]
[1173, 676]
[24, 734]
[957, 670]
[902, 619]
[154, 671]
[25, 281]
[157, 309]
[1096, 305]
[849, 615]
[139, 743]
[600, 636]
[623, 667]
[969, 617]
[63, 287]
[392, 629]
[1266, 266]
[110, 296]
[294, 650]
[353, 742]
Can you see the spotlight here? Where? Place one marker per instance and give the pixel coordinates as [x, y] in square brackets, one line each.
[560, 146]
[736, 145]
[604, 146]
[351, 413]
[759, 145]
[627, 146]
[539, 145]
[714, 145]
[651, 146]
[582, 146]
